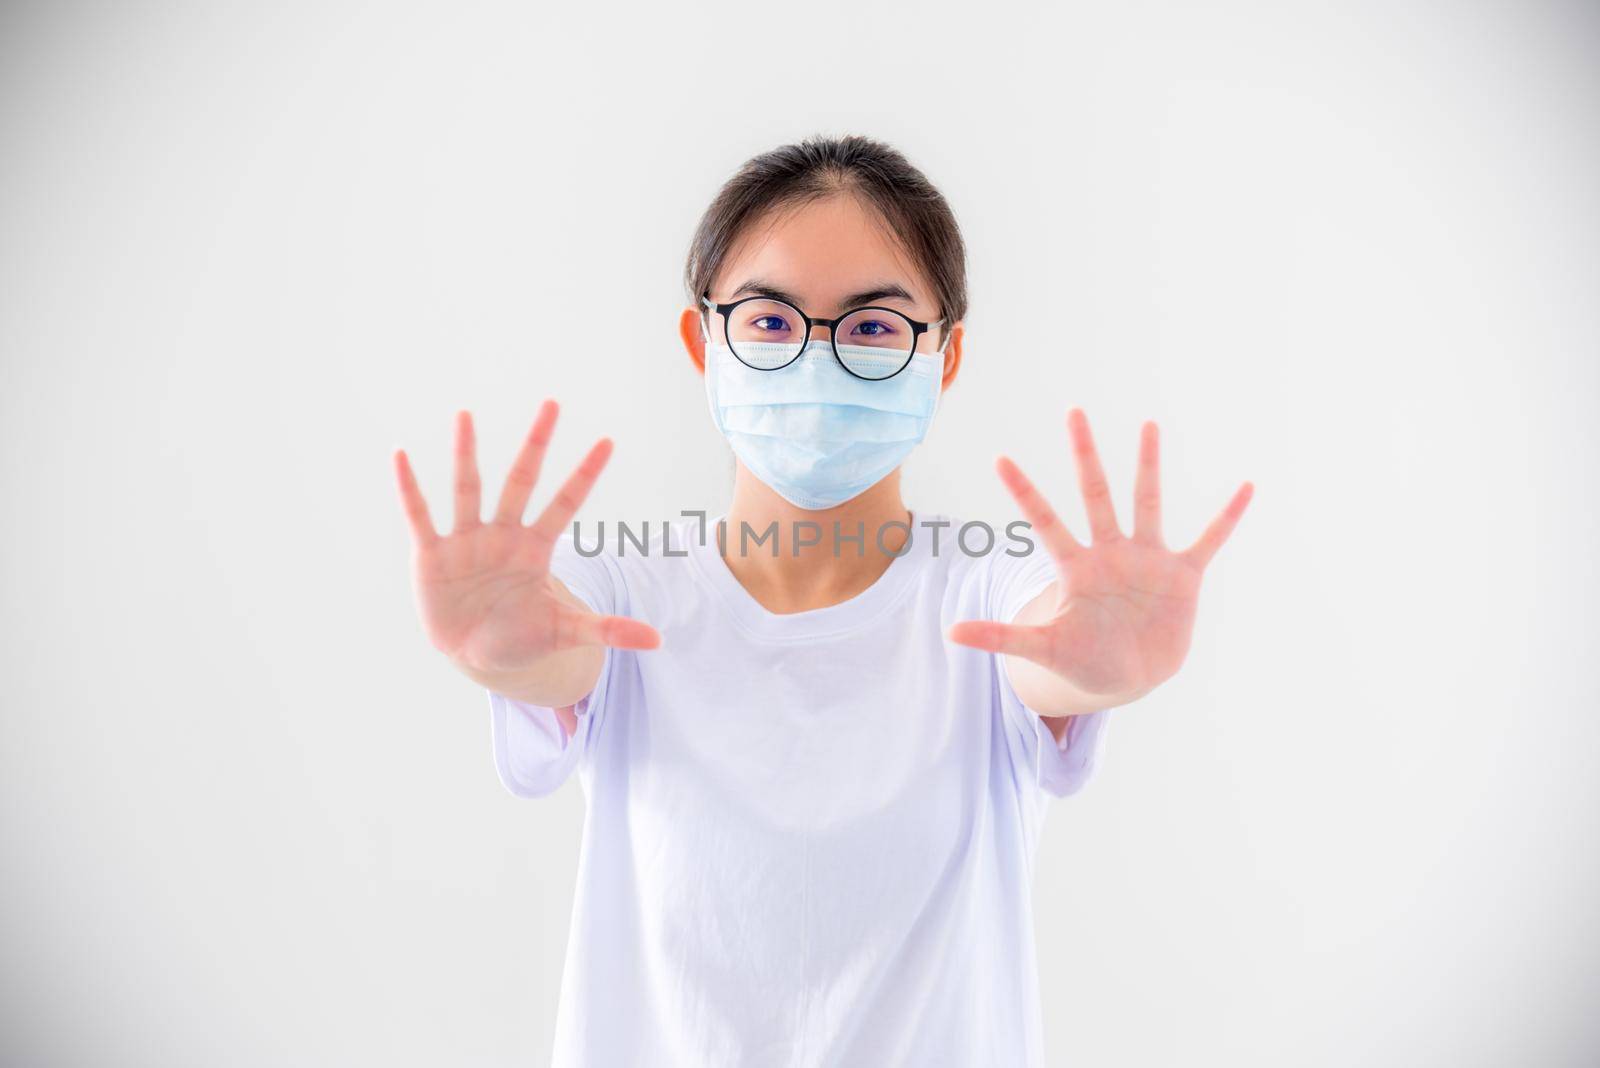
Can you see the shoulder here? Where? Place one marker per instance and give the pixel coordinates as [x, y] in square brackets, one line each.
[986, 566]
[635, 557]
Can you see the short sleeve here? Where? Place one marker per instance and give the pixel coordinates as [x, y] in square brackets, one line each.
[532, 753]
[1016, 580]
[1058, 768]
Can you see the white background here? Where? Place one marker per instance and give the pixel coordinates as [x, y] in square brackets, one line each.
[249, 817]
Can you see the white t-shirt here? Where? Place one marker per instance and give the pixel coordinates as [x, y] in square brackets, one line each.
[809, 837]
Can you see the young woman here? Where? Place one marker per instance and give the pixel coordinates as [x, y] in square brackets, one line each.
[817, 734]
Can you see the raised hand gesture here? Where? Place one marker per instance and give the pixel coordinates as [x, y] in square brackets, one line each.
[1117, 621]
[484, 591]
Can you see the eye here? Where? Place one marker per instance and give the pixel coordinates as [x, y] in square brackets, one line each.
[872, 328]
[769, 323]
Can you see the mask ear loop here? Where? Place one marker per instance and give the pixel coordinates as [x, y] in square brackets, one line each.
[938, 389]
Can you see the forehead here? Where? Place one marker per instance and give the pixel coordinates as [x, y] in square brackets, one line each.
[821, 250]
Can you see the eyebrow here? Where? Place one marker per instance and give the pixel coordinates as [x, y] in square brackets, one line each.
[756, 287]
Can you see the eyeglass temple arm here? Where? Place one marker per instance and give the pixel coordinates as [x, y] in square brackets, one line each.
[705, 320]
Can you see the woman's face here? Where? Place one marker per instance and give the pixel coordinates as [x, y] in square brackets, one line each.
[825, 257]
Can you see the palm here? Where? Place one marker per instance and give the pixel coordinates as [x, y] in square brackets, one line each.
[484, 591]
[1124, 606]
[482, 601]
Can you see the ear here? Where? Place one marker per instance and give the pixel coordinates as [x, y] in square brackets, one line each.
[690, 325]
[952, 355]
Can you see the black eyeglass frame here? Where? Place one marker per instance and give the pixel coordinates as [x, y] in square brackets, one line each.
[917, 330]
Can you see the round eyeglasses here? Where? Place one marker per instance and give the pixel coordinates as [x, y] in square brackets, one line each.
[871, 343]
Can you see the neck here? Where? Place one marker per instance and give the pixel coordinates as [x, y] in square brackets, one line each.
[800, 566]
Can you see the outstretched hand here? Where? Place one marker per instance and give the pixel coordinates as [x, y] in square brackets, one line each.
[1117, 621]
[484, 591]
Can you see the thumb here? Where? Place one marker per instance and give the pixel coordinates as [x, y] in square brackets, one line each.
[618, 632]
[1011, 639]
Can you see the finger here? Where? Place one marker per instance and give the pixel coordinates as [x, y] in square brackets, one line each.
[1092, 480]
[421, 523]
[1028, 642]
[1200, 553]
[559, 512]
[1058, 540]
[618, 632]
[525, 468]
[468, 492]
[1147, 487]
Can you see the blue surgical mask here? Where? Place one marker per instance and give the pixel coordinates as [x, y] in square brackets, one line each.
[814, 432]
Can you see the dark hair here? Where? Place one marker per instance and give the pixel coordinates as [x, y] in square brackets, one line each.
[880, 176]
